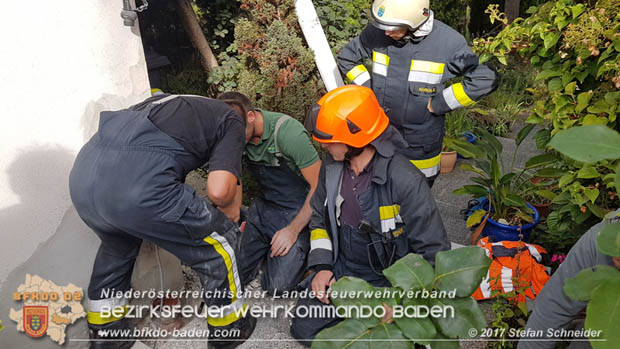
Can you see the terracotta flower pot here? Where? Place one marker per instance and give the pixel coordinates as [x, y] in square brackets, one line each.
[448, 160]
[543, 209]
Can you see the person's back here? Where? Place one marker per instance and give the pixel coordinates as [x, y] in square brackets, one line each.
[127, 184]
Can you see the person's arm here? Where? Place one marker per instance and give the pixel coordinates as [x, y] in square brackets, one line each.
[553, 309]
[423, 228]
[478, 81]
[351, 59]
[285, 238]
[224, 193]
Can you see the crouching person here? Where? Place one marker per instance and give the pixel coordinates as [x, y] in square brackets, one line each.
[371, 206]
[286, 166]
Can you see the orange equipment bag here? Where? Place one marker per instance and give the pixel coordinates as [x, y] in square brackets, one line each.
[515, 265]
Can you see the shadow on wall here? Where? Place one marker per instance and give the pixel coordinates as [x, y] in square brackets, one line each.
[39, 176]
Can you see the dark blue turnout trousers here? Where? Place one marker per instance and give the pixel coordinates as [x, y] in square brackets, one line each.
[283, 194]
[127, 186]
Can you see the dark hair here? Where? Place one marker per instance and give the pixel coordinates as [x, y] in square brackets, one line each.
[238, 101]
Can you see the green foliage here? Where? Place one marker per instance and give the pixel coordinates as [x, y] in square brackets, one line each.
[342, 20]
[576, 49]
[458, 270]
[496, 181]
[509, 315]
[599, 285]
[273, 67]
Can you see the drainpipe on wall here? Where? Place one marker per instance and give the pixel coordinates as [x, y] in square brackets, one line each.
[129, 15]
[315, 37]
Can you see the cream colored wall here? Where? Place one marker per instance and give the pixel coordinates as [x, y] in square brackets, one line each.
[62, 62]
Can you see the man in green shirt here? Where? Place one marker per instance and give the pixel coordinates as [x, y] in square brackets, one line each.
[286, 166]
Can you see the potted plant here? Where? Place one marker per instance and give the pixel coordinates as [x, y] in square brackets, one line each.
[457, 128]
[538, 192]
[502, 210]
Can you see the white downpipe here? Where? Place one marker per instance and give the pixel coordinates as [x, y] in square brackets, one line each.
[311, 26]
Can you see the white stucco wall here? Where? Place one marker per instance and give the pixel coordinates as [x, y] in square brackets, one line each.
[62, 62]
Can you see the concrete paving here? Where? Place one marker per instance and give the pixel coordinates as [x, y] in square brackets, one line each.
[274, 332]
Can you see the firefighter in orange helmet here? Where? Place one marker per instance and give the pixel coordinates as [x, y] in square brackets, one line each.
[371, 206]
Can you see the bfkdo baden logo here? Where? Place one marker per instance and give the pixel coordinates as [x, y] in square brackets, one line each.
[36, 318]
[47, 308]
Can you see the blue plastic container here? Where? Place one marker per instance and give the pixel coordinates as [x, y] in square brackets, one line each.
[469, 137]
[503, 232]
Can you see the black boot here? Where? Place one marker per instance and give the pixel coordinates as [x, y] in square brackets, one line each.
[245, 326]
[99, 336]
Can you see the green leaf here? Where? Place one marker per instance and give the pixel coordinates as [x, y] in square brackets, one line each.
[592, 119]
[566, 179]
[577, 10]
[608, 240]
[475, 218]
[344, 335]
[525, 217]
[523, 133]
[582, 101]
[588, 143]
[617, 179]
[467, 315]
[502, 60]
[541, 160]
[555, 85]
[542, 137]
[416, 328]
[545, 194]
[598, 211]
[443, 343]
[491, 140]
[411, 272]
[388, 336]
[581, 286]
[592, 194]
[468, 167]
[587, 172]
[461, 269]
[546, 74]
[570, 88]
[507, 178]
[550, 173]
[514, 200]
[474, 190]
[464, 148]
[603, 314]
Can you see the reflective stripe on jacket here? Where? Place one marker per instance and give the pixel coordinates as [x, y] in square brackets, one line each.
[515, 266]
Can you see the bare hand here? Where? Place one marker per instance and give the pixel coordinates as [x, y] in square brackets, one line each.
[429, 106]
[320, 284]
[282, 242]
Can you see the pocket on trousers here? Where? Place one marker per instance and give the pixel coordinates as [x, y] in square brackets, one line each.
[425, 141]
[191, 212]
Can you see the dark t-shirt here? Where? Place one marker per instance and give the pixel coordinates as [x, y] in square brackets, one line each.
[208, 129]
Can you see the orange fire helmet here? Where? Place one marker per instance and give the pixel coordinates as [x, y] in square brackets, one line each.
[350, 115]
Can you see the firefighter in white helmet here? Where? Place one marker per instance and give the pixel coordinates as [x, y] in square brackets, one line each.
[413, 56]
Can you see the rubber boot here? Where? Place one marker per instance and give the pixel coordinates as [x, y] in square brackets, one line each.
[245, 326]
[98, 339]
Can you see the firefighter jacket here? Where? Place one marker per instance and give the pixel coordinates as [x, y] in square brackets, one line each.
[515, 267]
[553, 309]
[397, 207]
[407, 73]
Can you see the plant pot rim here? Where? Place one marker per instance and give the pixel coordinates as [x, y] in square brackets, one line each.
[449, 152]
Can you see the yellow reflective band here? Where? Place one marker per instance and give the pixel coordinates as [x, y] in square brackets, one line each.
[95, 318]
[428, 163]
[219, 249]
[319, 234]
[355, 72]
[461, 96]
[228, 319]
[386, 212]
[427, 66]
[381, 58]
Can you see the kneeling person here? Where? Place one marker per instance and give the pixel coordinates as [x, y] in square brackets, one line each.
[371, 206]
[286, 166]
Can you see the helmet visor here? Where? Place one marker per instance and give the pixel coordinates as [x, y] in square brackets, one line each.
[385, 26]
